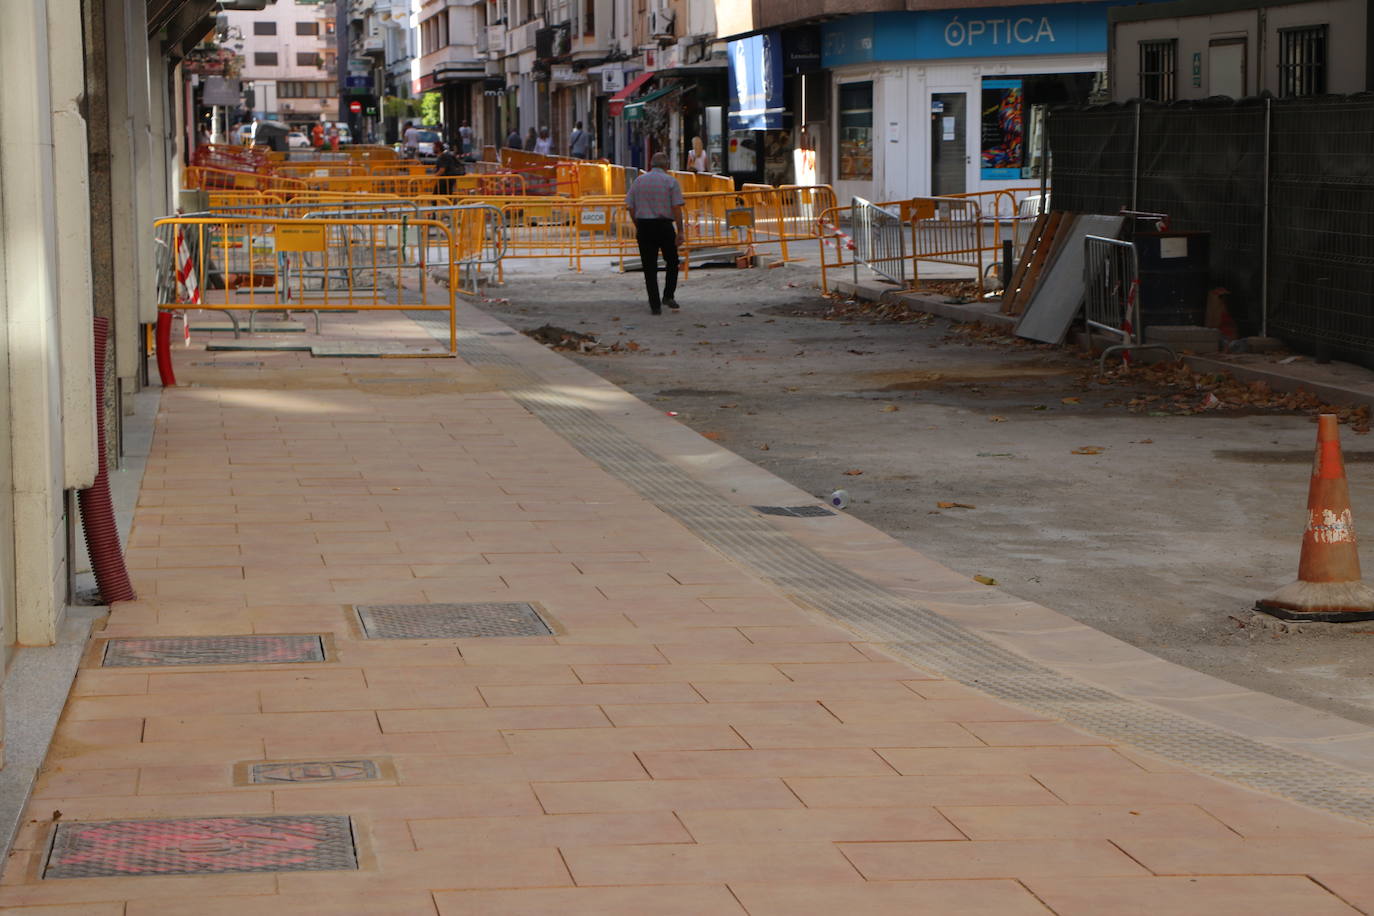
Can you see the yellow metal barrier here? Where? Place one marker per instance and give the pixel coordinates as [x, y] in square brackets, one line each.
[209, 178]
[248, 264]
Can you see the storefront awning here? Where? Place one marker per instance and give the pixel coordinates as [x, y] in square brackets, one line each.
[635, 110]
[617, 102]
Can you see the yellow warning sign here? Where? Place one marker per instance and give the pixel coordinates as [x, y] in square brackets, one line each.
[920, 208]
[739, 217]
[300, 238]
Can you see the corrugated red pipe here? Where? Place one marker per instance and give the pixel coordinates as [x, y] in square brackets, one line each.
[162, 343]
[97, 509]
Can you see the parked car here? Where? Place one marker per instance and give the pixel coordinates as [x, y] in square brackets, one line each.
[424, 150]
[297, 140]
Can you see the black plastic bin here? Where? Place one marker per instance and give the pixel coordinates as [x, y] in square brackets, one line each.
[1173, 277]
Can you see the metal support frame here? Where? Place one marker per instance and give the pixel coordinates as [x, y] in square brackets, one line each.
[1111, 275]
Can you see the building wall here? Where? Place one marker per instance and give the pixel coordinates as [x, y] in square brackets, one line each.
[1259, 27]
[271, 101]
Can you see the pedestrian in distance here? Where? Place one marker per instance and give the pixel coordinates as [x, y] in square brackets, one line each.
[531, 139]
[464, 138]
[697, 160]
[448, 166]
[317, 136]
[580, 145]
[513, 139]
[410, 140]
[655, 203]
[545, 142]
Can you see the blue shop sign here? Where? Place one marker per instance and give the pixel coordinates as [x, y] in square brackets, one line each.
[756, 88]
[1012, 31]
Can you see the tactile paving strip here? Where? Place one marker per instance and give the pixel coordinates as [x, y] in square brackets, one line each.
[314, 771]
[212, 650]
[921, 636]
[795, 511]
[451, 621]
[202, 846]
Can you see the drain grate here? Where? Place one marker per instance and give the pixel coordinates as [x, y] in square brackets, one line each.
[398, 380]
[451, 621]
[202, 846]
[213, 650]
[314, 771]
[795, 511]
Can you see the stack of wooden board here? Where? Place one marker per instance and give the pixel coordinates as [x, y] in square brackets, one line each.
[1046, 291]
[1032, 263]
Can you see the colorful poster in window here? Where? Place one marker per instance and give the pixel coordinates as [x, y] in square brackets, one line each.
[1003, 130]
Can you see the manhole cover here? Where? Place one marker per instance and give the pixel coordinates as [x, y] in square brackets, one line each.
[202, 846]
[450, 621]
[313, 771]
[795, 511]
[213, 650]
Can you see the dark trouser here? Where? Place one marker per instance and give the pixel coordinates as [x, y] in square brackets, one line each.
[656, 235]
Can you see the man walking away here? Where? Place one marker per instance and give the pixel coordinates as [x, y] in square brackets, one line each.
[513, 139]
[448, 166]
[410, 141]
[655, 203]
[580, 146]
[464, 139]
[531, 139]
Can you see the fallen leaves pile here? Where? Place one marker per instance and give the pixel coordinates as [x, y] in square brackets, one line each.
[1183, 391]
[842, 309]
[562, 339]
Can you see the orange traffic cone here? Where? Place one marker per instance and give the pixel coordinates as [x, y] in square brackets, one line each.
[1329, 587]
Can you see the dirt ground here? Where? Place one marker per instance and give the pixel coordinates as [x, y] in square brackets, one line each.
[1152, 522]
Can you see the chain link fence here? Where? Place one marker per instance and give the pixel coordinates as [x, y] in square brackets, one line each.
[1284, 186]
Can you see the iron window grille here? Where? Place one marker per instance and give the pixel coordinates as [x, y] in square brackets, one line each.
[1158, 69]
[1302, 61]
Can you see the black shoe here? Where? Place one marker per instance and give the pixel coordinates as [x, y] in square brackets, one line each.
[671, 303]
[655, 311]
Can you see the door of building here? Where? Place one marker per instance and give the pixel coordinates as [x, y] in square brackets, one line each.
[948, 143]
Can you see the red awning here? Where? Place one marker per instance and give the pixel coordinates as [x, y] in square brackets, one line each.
[617, 103]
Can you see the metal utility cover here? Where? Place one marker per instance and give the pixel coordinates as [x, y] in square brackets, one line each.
[451, 621]
[213, 650]
[795, 511]
[313, 771]
[1059, 295]
[202, 846]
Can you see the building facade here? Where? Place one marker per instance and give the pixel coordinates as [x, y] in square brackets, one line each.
[1192, 49]
[288, 50]
[96, 118]
[890, 104]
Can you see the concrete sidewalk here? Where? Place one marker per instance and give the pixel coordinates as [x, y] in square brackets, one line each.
[688, 740]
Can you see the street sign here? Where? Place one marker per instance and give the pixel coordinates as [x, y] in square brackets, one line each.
[355, 107]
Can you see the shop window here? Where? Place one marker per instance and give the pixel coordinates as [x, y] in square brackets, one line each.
[1302, 61]
[264, 58]
[264, 28]
[1158, 69]
[307, 28]
[856, 132]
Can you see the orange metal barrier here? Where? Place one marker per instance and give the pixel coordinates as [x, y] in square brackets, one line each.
[249, 264]
[208, 178]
